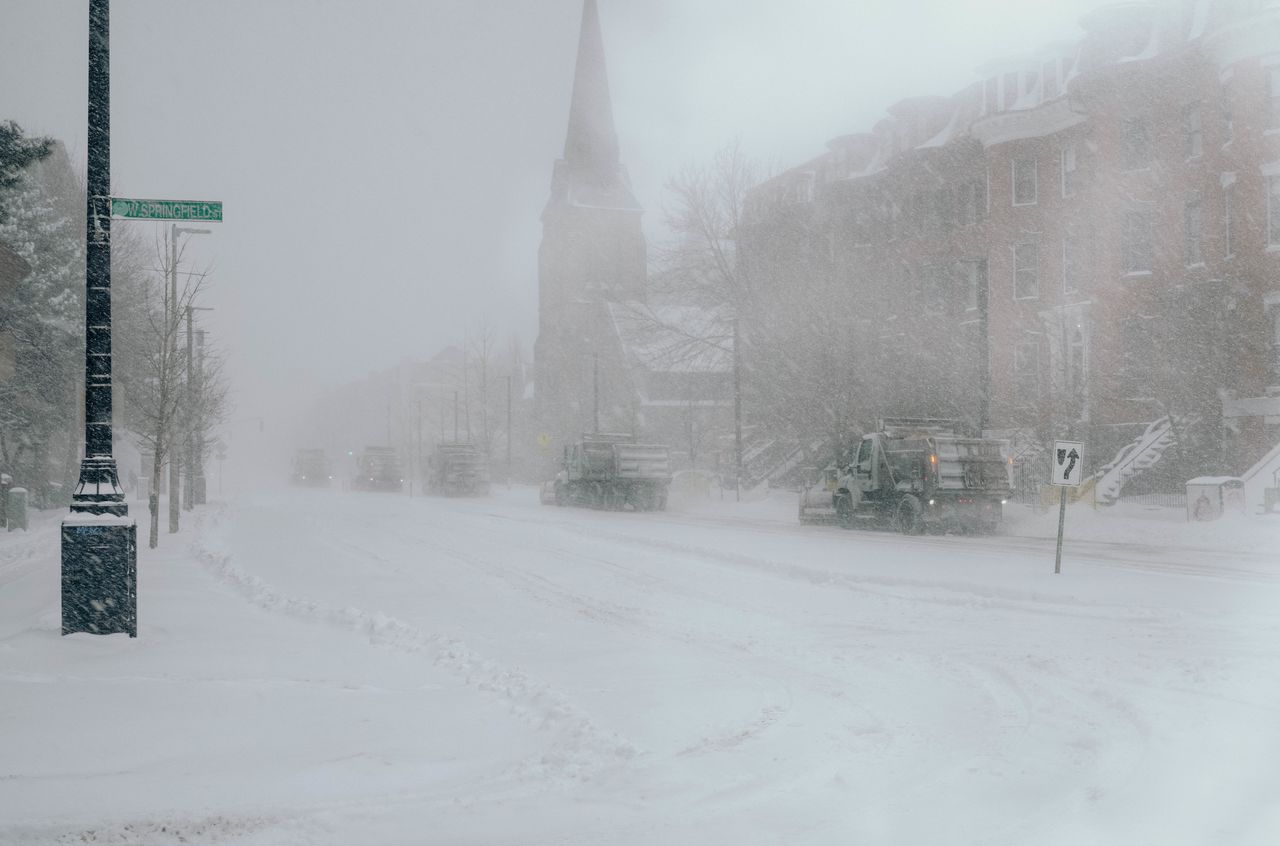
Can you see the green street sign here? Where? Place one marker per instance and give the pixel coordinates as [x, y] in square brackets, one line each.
[167, 209]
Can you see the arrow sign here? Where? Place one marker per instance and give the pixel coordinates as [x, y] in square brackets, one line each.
[1068, 463]
[1072, 458]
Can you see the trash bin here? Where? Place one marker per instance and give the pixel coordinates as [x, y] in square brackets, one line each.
[16, 508]
[1270, 499]
[1209, 497]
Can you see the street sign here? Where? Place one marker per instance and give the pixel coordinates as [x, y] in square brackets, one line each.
[210, 210]
[1068, 463]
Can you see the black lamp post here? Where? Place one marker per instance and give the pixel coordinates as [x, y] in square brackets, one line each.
[99, 539]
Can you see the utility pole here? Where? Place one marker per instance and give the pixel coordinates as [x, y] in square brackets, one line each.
[418, 463]
[508, 430]
[174, 316]
[199, 483]
[175, 480]
[188, 486]
[595, 392]
[984, 354]
[99, 548]
[737, 413]
[455, 416]
[466, 396]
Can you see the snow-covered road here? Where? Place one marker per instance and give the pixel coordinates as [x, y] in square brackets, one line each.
[328, 667]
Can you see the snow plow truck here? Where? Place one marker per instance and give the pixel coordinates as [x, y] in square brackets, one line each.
[457, 469]
[378, 469]
[916, 475]
[613, 472]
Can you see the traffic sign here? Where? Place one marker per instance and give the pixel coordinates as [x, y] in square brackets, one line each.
[1068, 463]
[210, 210]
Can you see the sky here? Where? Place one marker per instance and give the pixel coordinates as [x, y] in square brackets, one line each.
[383, 163]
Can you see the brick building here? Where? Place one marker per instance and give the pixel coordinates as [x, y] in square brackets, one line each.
[1083, 241]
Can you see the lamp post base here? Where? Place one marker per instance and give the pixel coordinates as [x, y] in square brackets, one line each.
[99, 574]
[99, 555]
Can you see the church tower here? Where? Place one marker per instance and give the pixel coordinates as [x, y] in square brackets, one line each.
[592, 254]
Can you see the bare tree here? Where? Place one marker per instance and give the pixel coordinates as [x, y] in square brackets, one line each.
[155, 393]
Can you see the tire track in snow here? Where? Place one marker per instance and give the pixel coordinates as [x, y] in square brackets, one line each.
[581, 750]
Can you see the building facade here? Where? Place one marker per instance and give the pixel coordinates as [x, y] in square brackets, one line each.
[1079, 243]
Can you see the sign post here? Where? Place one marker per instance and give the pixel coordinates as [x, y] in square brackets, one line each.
[1068, 471]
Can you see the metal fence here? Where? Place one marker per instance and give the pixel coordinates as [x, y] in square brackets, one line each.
[1155, 499]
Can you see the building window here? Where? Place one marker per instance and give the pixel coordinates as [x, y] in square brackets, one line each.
[1026, 370]
[1024, 182]
[1274, 314]
[1193, 229]
[1228, 218]
[1068, 170]
[1273, 211]
[1192, 132]
[1137, 242]
[973, 275]
[934, 289]
[1073, 263]
[967, 214]
[1137, 144]
[1273, 86]
[1026, 271]
[862, 227]
[1075, 362]
[1137, 340]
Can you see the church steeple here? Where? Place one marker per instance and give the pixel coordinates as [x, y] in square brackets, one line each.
[592, 141]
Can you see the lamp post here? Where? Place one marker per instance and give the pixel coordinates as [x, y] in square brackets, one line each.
[175, 480]
[99, 539]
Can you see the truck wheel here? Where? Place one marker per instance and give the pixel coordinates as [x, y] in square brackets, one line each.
[561, 499]
[908, 517]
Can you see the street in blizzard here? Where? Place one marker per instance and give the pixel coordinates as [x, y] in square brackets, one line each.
[615, 423]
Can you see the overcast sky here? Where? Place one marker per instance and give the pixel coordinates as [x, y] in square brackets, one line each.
[383, 163]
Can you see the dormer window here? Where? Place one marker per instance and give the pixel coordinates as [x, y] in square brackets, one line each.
[1050, 73]
[991, 99]
[1010, 92]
